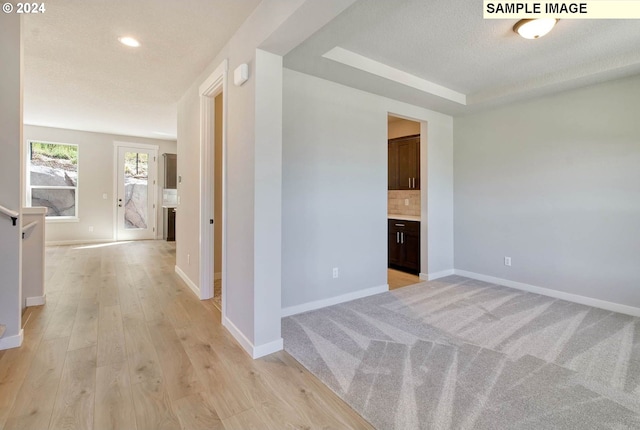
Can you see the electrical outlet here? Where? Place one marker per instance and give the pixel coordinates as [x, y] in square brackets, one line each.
[406, 202]
[90, 229]
[335, 272]
[507, 261]
[104, 196]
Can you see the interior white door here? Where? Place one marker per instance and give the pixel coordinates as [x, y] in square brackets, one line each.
[136, 174]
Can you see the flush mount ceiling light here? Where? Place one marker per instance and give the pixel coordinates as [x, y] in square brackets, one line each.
[534, 28]
[129, 41]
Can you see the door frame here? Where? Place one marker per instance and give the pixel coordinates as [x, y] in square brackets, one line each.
[116, 146]
[214, 85]
[424, 194]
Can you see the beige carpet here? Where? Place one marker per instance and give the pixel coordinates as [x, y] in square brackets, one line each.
[463, 354]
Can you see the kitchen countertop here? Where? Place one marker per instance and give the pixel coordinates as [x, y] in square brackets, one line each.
[404, 217]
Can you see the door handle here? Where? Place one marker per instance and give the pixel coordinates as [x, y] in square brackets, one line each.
[413, 182]
[401, 237]
[409, 182]
[397, 237]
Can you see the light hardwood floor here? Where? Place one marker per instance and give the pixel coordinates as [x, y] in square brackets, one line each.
[398, 279]
[122, 343]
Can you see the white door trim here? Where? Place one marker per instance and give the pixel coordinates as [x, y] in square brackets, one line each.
[114, 191]
[425, 237]
[215, 84]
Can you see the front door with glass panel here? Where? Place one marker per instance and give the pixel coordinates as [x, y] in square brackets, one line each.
[136, 192]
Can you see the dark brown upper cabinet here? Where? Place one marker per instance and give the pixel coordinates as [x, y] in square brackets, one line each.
[404, 163]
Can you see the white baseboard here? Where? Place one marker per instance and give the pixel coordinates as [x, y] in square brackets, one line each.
[245, 343]
[12, 341]
[310, 306]
[36, 301]
[575, 298]
[77, 242]
[188, 281]
[217, 275]
[253, 351]
[436, 275]
[268, 348]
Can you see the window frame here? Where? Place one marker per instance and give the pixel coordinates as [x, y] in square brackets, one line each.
[29, 187]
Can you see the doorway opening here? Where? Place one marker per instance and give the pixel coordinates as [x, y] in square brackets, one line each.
[404, 207]
[136, 167]
[217, 202]
[213, 117]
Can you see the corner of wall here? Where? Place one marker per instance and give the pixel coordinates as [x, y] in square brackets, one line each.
[248, 346]
[192, 285]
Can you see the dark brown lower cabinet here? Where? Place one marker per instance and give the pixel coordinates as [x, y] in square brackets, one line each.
[404, 245]
[170, 224]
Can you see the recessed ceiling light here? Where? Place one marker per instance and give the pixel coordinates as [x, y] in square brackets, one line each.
[534, 28]
[129, 41]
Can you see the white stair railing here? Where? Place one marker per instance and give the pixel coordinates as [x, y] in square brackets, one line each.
[33, 255]
[14, 218]
[11, 214]
[26, 230]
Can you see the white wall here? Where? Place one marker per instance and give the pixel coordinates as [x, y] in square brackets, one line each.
[188, 150]
[10, 176]
[554, 183]
[96, 171]
[268, 196]
[436, 198]
[402, 127]
[242, 213]
[334, 204]
[253, 181]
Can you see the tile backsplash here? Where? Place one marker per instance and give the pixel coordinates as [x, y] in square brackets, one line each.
[169, 197]
[396, 202]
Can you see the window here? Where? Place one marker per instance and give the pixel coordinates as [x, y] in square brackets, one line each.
[52, 178]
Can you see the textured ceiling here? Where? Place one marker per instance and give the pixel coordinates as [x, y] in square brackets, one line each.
[448, 43]
[78, 76]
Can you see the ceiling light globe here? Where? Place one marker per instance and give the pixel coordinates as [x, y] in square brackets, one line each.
[534, 28]
[129, 41]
